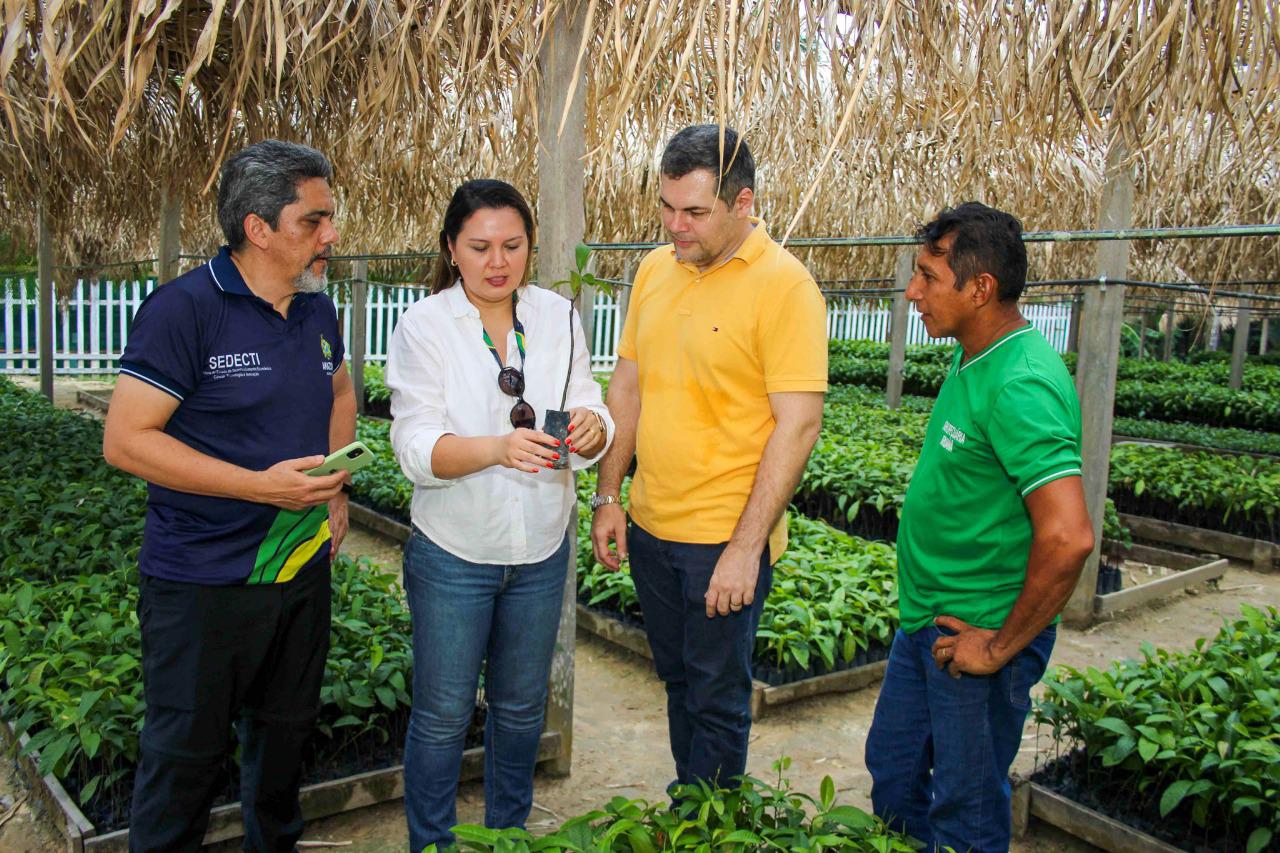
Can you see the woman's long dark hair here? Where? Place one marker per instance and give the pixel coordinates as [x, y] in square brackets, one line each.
[480, 194]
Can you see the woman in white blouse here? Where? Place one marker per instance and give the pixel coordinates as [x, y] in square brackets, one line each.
[472, 368]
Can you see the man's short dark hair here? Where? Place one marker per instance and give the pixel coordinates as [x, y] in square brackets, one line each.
[263, 179]
[986, 240]
[698, 147]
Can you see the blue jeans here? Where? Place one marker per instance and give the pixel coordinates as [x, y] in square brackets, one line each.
[465, 614]
[940, 747]
[704, 663]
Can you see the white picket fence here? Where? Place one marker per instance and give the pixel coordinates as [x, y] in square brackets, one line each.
[856, 319]
[92, 326]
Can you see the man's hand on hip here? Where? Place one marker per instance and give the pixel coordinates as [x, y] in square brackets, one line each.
[971, 650]
[609, 524]
[733, 583]
[285, 485]
[339, 523]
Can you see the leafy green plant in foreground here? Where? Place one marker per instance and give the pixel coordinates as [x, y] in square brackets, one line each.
[753, 815]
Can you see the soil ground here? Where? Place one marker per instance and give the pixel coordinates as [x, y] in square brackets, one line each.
[620, 745]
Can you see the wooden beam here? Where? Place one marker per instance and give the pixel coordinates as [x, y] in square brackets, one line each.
[1101, 322]
[1094, 827]
[170, 236]
[1161, 588]
[397, 531]
[47, 302]
[561, 173]
[356, 346]
[1240, 347]
[898, 327]
[1266, 333]
[1261, 553]
[630, 637]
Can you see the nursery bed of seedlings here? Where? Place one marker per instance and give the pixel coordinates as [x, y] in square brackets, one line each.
[826, 626]
[1182, 746]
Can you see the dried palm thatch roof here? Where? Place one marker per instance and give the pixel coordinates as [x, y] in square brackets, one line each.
[864, 117]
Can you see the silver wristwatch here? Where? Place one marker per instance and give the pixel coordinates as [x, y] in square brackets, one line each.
[598, 501]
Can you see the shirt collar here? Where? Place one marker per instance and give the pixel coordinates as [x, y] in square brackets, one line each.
[755, 244]
[456, 299]
[226, 275]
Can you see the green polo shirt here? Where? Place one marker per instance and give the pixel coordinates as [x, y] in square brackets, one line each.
[1007, 421]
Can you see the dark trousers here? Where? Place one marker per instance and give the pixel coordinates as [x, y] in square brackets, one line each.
[940, 748]
[704, 663]
[211, 656]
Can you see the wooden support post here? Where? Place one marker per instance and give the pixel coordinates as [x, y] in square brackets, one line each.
[898, 327]
[1170, 329]
[1142, 334]
[561, 175]
[562, 220]
[45, 297]
[170, 236]
[1266, 333]
[1215, 330]
[356, 346]
[1240, 347]
[1101, 320]
[559, 713]
[1073, 326]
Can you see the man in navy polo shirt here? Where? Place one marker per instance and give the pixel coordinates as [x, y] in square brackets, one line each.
[231, 386]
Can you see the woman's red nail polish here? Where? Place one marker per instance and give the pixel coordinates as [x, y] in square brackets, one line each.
[555, 455]
[548, 464]
[570, 427]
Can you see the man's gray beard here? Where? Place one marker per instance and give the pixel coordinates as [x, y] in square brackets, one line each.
[308, 282]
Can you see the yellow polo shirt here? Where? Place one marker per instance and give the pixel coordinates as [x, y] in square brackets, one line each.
[710, 348]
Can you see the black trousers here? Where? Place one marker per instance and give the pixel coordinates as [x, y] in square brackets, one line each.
[211, 656]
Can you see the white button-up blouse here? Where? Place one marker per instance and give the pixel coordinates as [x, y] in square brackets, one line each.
[444, 380]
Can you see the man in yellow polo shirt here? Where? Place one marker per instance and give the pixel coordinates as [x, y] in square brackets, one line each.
[718, 395]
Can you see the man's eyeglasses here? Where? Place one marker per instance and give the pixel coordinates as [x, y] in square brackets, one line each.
[511, 383]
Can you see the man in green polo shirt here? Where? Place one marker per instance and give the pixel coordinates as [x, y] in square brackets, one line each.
[994, 533]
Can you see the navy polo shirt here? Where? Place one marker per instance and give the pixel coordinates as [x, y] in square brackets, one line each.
[253, 388]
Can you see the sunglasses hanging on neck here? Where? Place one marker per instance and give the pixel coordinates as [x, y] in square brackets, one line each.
[511, 379]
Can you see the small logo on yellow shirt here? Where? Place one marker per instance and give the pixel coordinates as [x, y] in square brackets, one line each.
[954, 435]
